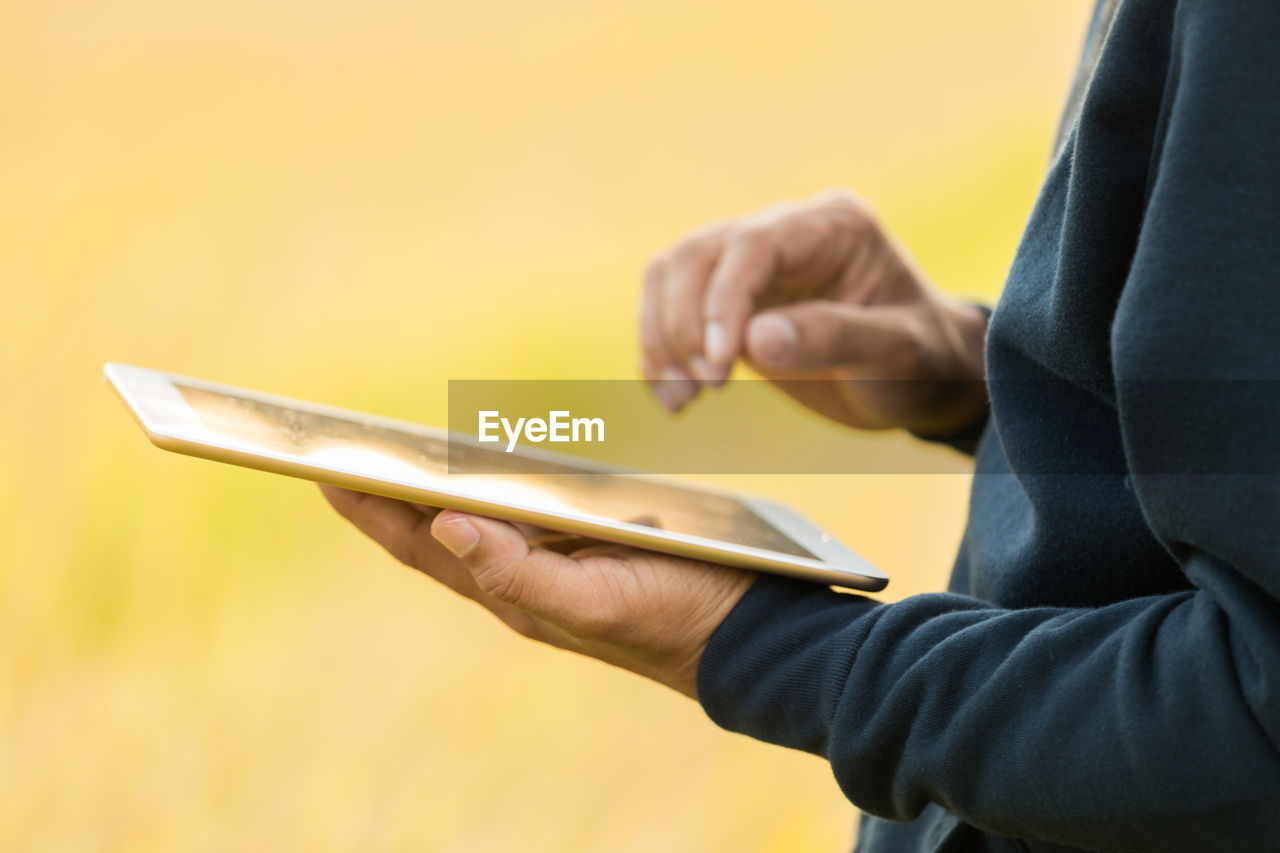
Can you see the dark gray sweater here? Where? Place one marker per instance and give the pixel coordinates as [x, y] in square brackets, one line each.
[1105, 672]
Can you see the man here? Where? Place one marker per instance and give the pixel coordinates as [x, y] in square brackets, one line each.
[1105, 672]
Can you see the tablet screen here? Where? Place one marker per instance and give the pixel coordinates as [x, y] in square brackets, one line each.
[429, 462]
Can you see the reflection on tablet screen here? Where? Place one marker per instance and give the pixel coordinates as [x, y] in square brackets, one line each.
[424, 461]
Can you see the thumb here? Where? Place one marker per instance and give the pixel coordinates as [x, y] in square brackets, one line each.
[504, 566]
[819, 334]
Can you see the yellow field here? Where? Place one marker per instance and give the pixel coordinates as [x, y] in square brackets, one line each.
[353, 203]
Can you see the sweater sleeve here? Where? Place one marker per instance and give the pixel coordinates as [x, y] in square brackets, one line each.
[1147, 724]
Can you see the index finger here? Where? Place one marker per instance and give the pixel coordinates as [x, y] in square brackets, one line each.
[404, 530]
[743, 273]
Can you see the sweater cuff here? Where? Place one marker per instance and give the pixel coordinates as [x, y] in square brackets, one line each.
[765, 673]
[966, 441]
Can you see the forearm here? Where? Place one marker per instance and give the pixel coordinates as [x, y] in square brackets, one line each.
[1120, 727]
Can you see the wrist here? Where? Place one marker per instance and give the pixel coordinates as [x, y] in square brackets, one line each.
[967, 322]
[682, 676]
[963, 401]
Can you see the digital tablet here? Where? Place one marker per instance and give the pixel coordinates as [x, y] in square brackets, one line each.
[437, 468]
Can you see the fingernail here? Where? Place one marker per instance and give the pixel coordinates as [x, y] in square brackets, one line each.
[663, 394]
[775, 338]
[716, 343]
[457, 534]
[703, 371]
[680, 386]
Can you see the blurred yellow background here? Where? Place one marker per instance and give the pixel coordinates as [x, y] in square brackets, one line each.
[352, 203]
